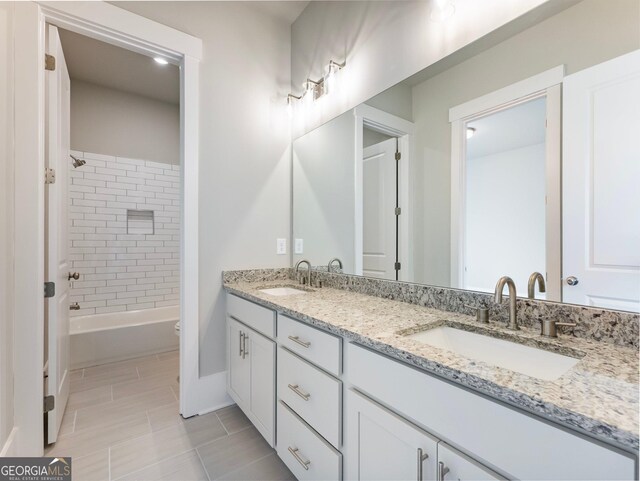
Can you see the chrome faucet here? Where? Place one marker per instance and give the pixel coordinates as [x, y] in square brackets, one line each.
[335, 259]
[308, 278]
[531, 289]
[513, 310]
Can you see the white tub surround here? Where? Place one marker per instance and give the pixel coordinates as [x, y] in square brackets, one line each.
[101, 338]
[122, 271]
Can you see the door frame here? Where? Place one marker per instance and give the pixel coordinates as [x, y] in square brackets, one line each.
[547, 84]
[388, 124]
[119, 27]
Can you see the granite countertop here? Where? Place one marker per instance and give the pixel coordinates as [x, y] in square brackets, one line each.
[598, 396]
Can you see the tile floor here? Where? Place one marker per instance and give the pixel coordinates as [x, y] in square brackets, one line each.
[122, 423]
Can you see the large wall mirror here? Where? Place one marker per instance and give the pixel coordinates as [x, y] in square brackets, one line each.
[505, 159]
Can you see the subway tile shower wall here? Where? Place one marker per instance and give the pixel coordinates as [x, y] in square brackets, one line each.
[120, 271]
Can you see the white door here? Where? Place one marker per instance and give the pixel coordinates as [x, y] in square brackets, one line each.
[379, 217]
[239, 380]
[601, 179]
[454, 465]
[261, 353]
[58, 97]
[383, 446]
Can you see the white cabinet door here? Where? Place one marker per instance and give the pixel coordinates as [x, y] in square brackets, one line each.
[261, 355]
[382, 446]
[239, 380]
[454, 465]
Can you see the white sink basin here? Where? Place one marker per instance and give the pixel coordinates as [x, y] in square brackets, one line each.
[531, 361]
[282, 291]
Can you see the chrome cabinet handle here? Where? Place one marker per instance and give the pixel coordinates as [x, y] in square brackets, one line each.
[245, 351]
[421, 457]
[297, 340]
[296, 389]
[241, 336]
[442, 470]
[303, 462]
[572, 281]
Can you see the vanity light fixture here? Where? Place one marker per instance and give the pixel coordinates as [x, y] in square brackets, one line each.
[330, 79]
[161, 60]
[320, 87]
[470, 132]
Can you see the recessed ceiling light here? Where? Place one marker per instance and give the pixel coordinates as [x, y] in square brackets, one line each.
[160, 60]
[470, 132]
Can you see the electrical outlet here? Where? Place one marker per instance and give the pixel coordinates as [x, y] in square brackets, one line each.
[299, 246]
[281, 246]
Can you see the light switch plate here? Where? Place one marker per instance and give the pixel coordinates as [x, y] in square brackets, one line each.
[299, 246]
[281, 246]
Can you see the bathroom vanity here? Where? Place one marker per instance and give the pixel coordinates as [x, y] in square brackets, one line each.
[342, 388]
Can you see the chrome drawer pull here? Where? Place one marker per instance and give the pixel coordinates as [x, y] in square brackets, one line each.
[294, 452]
[442, 470]
[422, 456]
[302, 394]
[297, 340]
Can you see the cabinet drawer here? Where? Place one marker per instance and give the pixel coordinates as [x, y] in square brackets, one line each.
[257, 317]
[319, 347]
[496, 435]
[307, 455]
[314, 395]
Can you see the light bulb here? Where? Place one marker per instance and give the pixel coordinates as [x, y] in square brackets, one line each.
[470, 132]
[442, 10]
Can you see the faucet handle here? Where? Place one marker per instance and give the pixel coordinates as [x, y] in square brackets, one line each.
[549, 327]
[482, 312]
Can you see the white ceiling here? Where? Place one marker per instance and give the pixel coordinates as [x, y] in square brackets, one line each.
[109, 66]
[509, 129]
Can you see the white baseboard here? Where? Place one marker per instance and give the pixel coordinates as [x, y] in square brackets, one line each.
[209, 393]
[10, 446]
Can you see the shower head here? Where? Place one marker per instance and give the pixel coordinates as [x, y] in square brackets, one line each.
[77, 162]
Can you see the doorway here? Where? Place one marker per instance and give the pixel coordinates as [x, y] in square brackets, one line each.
[113, 213]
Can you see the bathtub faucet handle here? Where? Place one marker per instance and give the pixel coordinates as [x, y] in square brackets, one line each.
[74, 275]
[74, 307]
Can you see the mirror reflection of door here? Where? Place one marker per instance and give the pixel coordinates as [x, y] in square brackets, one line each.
[601, 175]
[380, 198]
[504, 213]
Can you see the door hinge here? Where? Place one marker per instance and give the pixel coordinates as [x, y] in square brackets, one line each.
[398, 211]
[49, 289]
[398, 266]
[50, 176]
[398, 155]
[49, 62]
[49, 403]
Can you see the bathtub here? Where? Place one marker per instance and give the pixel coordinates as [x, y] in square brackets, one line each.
[102, 338]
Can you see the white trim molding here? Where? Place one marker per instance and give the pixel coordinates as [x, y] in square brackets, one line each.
[547, 84]
[386, 123]
[119, 27]
[481, 106]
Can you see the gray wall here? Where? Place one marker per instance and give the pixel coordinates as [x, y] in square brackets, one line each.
[245, 157]
[112, 122]
[584, 35]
